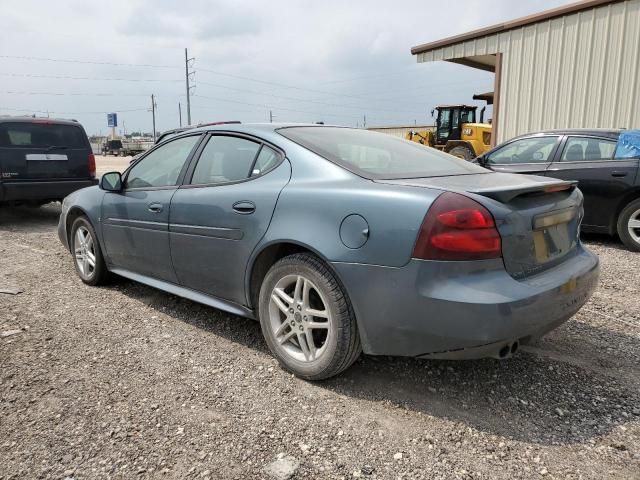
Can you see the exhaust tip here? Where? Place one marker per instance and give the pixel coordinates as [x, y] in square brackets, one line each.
[504, 351]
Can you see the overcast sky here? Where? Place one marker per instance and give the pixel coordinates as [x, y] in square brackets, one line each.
[329, 60]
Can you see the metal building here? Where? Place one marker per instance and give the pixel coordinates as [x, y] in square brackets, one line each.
[573, 66]
[400, 130]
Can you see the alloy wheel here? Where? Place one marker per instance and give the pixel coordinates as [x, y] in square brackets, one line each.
[299, 318]
[85, 253]
[634, 226]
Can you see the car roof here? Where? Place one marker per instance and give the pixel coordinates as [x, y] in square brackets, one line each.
[258, 127]
[590, 132]
[59, 121]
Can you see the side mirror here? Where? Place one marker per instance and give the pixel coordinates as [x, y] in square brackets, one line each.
[111, 182]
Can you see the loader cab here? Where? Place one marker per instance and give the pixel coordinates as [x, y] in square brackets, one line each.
[450, 120]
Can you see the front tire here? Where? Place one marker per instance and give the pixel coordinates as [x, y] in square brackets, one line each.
[462, 152]
[629, 225]
[87, 255]
[307, 319]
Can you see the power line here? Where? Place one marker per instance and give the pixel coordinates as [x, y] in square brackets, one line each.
[293, 87]
[282, 85]
[64, 94]
[377, 75]
[277, 108]
[213, 72]
[102, 79]
[119, 110]
[318, 102]
[86, 62]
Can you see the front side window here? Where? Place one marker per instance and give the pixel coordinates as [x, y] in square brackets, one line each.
[526, 150]
[225, 159]
[578, 149]
[376, 155]
[162, 166]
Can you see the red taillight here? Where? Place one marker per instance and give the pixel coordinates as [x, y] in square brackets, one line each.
[92, 165]
[457, 228]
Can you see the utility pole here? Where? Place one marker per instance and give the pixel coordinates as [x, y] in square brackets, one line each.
[153, 114]
[187, 77]
[364, 121]
[180, 114]
[270, 116]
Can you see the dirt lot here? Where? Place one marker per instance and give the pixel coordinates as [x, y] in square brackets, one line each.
[106, 164]
[129, 382]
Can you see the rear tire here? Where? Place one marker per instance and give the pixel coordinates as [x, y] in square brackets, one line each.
[307, 319]
[462, 152]
[629, 225]
[87, 255]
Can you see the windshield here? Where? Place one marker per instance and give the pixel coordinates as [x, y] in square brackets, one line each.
[376, 155]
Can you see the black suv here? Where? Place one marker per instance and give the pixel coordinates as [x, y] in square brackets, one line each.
[43, 160]
[604, 162]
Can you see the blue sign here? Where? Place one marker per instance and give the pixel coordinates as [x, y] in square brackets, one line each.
[112, 119]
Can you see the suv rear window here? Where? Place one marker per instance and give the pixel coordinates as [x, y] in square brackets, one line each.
[41, 135]
[376, 155]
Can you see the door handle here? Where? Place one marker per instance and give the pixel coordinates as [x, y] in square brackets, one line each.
[618, 174]
[244, 207]
[155, 207]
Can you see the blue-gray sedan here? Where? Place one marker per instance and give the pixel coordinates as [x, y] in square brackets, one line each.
[340, 241]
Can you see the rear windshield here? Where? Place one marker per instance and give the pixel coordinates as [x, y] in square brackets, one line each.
[41, 135]
[376, 155]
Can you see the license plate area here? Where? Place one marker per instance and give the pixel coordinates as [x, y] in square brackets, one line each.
[551, 234]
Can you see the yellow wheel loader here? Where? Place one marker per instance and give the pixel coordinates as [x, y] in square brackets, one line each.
[457, 132]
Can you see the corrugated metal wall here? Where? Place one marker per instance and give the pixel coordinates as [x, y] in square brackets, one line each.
[581, 70]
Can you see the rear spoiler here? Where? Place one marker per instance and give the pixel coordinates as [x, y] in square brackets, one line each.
[507, 194]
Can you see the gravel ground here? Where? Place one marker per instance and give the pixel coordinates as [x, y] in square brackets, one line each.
[129, 382]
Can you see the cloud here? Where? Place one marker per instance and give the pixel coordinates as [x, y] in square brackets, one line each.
[331, 60]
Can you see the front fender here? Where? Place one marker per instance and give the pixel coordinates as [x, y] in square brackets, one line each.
[88, 202]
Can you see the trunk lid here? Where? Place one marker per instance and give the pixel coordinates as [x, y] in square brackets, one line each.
[538, 218]
[42, 150]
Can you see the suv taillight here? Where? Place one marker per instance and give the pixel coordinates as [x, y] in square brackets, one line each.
[92, 165]
[457, 228]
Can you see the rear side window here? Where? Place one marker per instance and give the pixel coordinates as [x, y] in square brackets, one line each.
[525, 150]
[579, 149]
[267, 158]
[42, 135]
[376, 155]
[225, 159]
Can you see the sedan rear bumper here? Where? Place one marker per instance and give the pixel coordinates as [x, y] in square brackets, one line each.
[462, 309]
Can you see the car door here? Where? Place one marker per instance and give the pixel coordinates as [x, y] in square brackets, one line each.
[602, 179]
[135, 221]
[531, 155]
[222, 211]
